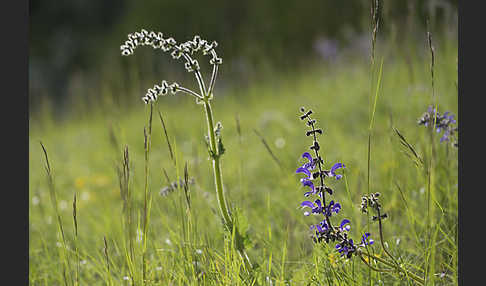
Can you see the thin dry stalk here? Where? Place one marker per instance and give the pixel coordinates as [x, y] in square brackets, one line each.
[171, 153]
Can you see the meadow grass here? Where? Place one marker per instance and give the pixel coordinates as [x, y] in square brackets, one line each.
[184, 243]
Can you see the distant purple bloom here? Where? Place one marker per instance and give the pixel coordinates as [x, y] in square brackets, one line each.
[450, 118]
[441, 123]
[445, 136]
[327, 48]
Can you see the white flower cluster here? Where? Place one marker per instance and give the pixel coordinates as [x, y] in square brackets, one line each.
[157, 90]
[185, 50]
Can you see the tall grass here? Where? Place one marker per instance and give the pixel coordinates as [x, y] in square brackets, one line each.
[182, 241]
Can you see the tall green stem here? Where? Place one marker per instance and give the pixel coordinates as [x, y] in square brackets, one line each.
[218, 178]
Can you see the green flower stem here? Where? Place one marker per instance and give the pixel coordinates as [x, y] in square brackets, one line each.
[218, 178]
[382, 240]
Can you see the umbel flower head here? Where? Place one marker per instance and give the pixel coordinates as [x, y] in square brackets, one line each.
[185, 51]
[314, 182]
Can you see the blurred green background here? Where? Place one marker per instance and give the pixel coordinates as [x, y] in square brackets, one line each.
[74, 45]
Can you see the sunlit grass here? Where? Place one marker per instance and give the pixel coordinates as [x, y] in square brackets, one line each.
[184, 248]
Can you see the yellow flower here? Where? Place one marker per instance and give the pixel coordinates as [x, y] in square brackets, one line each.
[332, 259]
[79, 183]
[100, 180]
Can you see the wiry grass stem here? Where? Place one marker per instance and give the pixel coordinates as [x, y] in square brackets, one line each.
[52, 192]
[75, 221]
[147, 194]
[382, 241]
[398, 267]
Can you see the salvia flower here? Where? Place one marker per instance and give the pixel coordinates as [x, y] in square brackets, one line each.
[332, 208]
[365, 240]
[316, 207]
[345, 225]
[334, 168]
[315, 175]
[346, 248]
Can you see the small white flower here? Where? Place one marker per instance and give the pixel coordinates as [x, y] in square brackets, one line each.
[168, 241]
[441, 275]
[35, 200]
[126, 278]
[85, 196]
[139, 235]
[422, 190]
[63, 205]
[199, 251]
[280, 142]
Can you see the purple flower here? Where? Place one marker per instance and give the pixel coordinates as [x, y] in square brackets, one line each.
[345, 225]
[334, 168]
[450, 118]
[333, 208]
[442, 122]
[316, 207]
[346, 248]
[321, 227]
[310, 185]
[445, 136]
[365, 240]
[306, 169]
[341, 248]
[310, 164]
